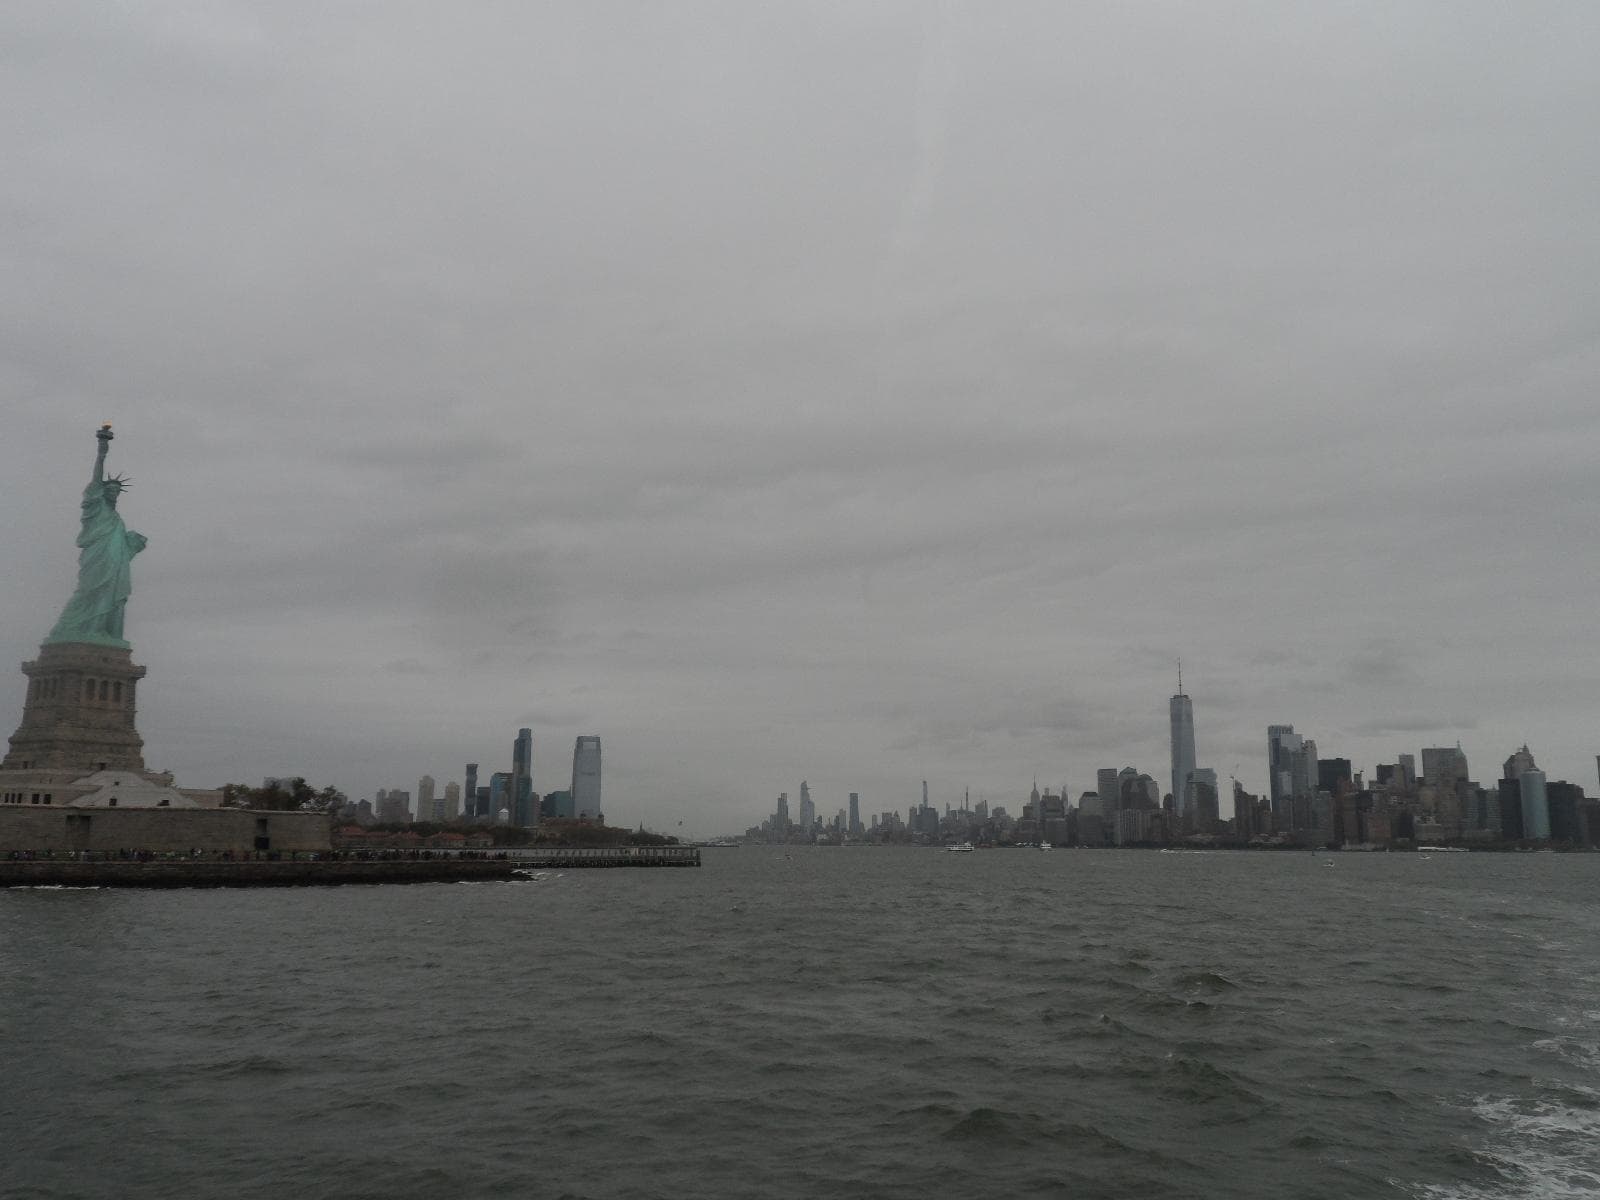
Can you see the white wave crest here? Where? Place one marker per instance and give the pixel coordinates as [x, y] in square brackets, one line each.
[1546, 1149]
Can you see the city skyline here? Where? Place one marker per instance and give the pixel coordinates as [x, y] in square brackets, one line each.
[1313, 803]
[1290, 767]
[907, 428]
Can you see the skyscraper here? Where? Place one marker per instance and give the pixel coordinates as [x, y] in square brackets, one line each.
[1509, 801]
[1535, 804]
[1200, 811]
[1443, 765]
[586, 778]
[1519, 762]
[1444, 770]
[1136, 790]
[500, 796]
[1282, 744]
[425, 800]
[393, 807]
[524, 811]
[452, 802]
[1333, 774]
[1244, 812]
[1563, 801]
[1181, 713]
[855, 813]
[1303, 769]
[469, 791]
[1107, 788]
[808, 810]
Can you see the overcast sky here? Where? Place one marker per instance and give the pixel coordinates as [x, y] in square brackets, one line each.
[864, 393]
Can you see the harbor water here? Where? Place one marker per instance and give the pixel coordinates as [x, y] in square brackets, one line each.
[819, 1022]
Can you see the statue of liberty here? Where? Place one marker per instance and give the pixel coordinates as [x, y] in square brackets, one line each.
[105, 554]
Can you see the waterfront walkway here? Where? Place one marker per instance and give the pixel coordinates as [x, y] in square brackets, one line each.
[326, 870]
[608, 856]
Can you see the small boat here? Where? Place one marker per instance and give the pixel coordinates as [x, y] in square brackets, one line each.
[1046, 846]
[961, 848]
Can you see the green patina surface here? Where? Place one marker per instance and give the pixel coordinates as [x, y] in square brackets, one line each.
[105, 556]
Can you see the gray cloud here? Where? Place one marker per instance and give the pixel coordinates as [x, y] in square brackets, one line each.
[1385, 727]
[1381, 661]
[862, 394]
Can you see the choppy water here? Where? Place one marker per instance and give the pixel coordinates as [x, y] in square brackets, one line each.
[824, 1023]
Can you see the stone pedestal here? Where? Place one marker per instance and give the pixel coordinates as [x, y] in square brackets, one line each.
[79, 712]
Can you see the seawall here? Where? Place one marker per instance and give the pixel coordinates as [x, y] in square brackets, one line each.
[182, 874]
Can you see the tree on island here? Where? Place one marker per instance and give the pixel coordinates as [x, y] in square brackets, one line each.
[579, 832]
[564, 832]
[297, 796]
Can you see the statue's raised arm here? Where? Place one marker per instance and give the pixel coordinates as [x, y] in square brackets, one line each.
[106, 548]
[103, 436]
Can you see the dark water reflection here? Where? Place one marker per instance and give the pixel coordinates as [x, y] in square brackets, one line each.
[830, 1022]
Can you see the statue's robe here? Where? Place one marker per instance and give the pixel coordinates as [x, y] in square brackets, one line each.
[105, 578]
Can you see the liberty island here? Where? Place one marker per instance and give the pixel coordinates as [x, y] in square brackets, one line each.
[79, 806]
[74, 779]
